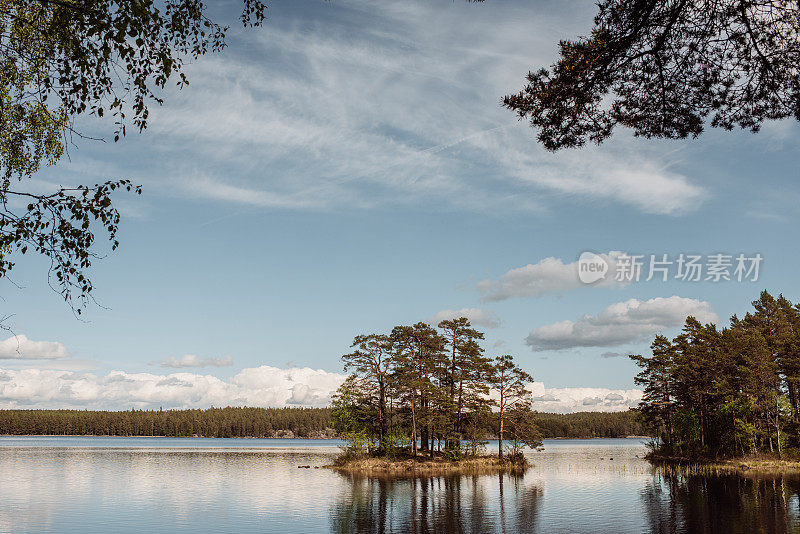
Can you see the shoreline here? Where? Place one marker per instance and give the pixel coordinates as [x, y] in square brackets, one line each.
[258, 437]
[160, 437]
[751, 464]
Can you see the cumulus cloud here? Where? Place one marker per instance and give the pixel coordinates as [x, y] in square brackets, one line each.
[257, 386]
[476, 316]
[620, 323]
[21, 348]
[567, 400]
[192, 360]
[550, 275]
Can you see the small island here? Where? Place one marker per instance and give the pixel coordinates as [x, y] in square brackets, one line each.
[727, 399]
[407, 465]
[422, 400]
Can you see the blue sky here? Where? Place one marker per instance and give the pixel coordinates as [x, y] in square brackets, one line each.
[347, 168]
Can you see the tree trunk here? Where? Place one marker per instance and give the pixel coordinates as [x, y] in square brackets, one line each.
[793, 398]
[702, 423]
[460, 407]
[381, 417]
[423, 401]
[389, 416]
[500, 434]
[413, 425]
[450, 442]
[778, 426]
[425, 430]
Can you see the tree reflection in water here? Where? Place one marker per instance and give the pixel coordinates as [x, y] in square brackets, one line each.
[466, 503]
[730, 504]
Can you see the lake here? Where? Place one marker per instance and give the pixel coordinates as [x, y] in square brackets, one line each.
[88, 484]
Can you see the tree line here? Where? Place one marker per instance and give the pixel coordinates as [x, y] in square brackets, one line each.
[591, 424]
[236, 422]
[230, 422]
[429, 389]
[734, 391]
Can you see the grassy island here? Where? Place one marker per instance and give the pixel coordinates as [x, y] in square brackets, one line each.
[423, 399]
[441, 464]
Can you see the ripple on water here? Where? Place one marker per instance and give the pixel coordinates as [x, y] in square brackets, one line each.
[162, 485]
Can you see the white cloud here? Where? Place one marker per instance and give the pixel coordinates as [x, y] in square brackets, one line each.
[550, 275]
[616, 172]
[192, 360]
[311, 114]
[257, 386]
[620, 323]
[476, 316]
[567, 400]
[21, 348]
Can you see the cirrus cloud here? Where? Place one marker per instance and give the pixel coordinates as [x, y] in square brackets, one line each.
[620, 324]
[429, 134]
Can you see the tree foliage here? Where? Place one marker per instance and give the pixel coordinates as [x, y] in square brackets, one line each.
[728, 392]
[665, 69]
[433, 387]
[60, 59]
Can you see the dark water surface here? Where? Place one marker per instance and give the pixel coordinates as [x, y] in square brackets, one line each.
[251, 485]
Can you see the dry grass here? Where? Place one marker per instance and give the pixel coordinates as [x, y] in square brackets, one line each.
[427, 466]
[760, 465]
[756, 465]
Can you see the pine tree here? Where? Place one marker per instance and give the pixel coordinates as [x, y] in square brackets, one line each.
[371, 361]
[509, 382]
[658, 401]
[466, 372]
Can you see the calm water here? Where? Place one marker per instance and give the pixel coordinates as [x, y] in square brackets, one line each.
[249, 485]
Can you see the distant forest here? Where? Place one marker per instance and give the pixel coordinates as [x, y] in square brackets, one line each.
[266, 423]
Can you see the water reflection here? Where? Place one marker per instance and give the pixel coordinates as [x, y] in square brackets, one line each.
[678, 503]
[470, 503]
[597, 486]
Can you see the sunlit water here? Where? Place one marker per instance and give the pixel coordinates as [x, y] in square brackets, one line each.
[250, 485]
